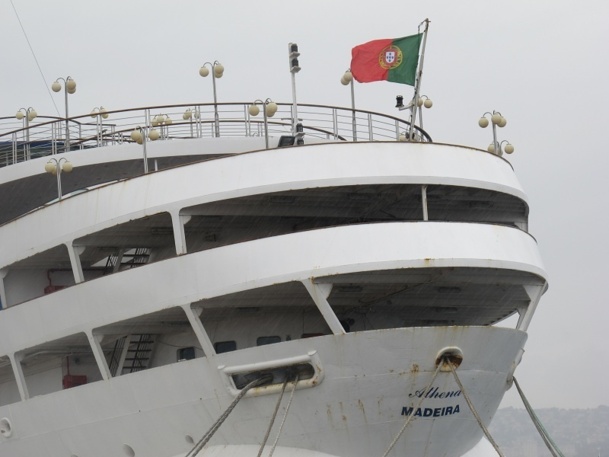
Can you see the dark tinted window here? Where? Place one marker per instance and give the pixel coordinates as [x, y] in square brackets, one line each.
[186, 353]
[261, 341]
[225, 346]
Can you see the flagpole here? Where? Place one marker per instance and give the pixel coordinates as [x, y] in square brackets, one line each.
[417, 87]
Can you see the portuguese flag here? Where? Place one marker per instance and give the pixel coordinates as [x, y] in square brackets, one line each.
[393, 60]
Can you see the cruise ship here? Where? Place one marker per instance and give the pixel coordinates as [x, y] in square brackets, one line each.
[236, 279]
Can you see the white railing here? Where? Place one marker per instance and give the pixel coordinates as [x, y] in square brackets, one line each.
[47, 135]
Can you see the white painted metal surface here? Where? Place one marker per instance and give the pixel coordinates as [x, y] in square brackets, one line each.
[250, 174]
[356, 410]
[361, 381]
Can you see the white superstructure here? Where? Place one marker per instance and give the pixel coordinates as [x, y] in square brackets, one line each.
[136, 306]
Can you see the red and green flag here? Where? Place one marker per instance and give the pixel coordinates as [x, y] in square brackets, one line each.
[393, 60]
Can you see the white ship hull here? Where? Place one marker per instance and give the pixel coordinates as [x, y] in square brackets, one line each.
[357, 408]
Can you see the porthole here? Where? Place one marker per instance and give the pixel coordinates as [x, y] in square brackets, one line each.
[128, 450]
[6, 428]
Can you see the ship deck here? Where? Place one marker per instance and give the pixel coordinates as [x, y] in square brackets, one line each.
[107, 153]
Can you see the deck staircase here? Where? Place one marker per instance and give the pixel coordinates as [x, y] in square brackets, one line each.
[127, 258]
[131, 353]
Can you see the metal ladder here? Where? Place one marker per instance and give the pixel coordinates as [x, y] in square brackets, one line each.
[127, 258]
[131, 353]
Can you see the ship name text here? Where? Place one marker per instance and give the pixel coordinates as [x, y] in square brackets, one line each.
[433, 393]
[431, 412]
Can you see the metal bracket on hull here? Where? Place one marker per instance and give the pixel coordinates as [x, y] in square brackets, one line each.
[309, 365]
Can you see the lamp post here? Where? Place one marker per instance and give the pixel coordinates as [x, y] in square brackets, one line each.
[423, 101]
[69, 86]
[56, 167]
[415, 105]
[217, 70]
[347, 79]
[497, 120]
[195, 113]
[139, 135]
[162, 120]
[28, 115]
[270, 108]
[100, 114]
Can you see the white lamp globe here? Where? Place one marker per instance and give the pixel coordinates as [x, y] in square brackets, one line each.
[253, 110]
[154, 134]
[271, 109]
[136, 136]
[218, 70]
[67, 167]
[347, 78]
[50, 167]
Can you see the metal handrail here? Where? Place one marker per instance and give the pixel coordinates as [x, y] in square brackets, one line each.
[319, 121]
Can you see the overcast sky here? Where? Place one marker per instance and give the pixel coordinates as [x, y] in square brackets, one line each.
[542, 63]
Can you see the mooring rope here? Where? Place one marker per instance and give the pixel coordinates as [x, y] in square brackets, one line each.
[285, 415]
[411, 415]
[550, 444]
[204, 440]
[473, 410]
[268, 431]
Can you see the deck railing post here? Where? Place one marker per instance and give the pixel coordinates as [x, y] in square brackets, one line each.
[335, 123]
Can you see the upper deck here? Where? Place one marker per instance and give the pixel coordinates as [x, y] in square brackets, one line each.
[106, 151]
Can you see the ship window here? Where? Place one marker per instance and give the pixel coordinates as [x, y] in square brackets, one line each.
[186, 353]
[263, 340]
[225, 346]
[311, 335]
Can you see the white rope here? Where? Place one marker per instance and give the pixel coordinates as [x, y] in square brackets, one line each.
[204, 440]
[474, 412]
[550, 444]
[285, 415]
[411, 415]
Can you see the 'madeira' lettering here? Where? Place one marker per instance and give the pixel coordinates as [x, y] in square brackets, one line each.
[430, 412]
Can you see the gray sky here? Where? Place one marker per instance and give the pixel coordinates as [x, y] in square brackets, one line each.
[542, 63]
